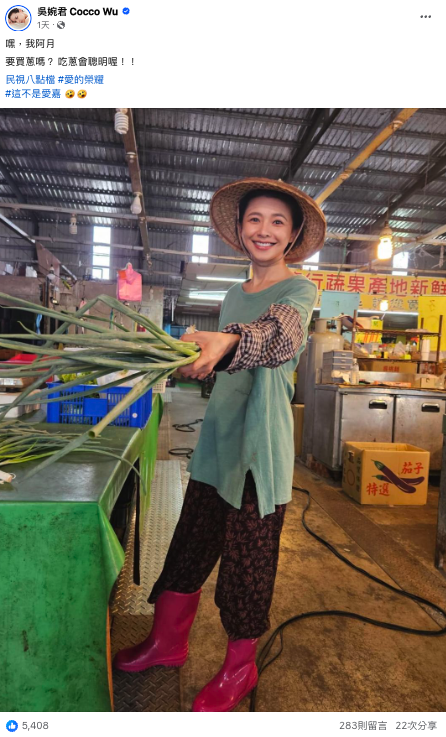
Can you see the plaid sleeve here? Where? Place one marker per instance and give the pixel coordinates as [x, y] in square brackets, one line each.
[271, 340]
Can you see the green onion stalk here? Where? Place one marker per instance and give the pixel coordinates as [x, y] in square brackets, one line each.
[22, 442]
[151, 356]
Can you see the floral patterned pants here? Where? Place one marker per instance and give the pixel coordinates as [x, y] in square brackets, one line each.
[208, 528]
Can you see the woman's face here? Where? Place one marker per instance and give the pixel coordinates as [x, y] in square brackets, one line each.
[267, 229]
[19, 17]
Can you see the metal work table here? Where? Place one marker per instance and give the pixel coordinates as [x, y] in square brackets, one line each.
[369, 414]
[59, 558]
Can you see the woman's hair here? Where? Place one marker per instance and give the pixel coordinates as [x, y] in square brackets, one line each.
[296, 212]
[14, 10]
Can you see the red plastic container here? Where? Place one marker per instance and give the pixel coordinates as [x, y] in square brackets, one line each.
[22, 358]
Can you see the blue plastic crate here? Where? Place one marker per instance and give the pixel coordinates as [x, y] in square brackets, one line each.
[89, 410]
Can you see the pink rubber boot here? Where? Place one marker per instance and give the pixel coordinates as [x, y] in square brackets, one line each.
[235, 679]
[167, 643]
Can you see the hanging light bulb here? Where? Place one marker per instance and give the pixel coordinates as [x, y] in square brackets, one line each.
[151, 293]
[385, 246]
[384, 305]
[136, 207]
[73, 225]
[121, 121]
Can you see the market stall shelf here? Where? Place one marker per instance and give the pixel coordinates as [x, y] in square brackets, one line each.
[59, 559]
[421, 332]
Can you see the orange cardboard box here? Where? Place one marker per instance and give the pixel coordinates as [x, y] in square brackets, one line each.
[385, 473]
[387, 366]
[426, 381]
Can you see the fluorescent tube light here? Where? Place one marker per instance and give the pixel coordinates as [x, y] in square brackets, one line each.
[220, 278]
[210, 296]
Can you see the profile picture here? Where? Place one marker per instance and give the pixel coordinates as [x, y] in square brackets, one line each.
[18, 18]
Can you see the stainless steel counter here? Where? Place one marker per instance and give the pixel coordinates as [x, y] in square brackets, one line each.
[376, 414]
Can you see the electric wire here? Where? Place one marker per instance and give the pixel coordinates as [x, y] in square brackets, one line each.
[181, 452]
[263, 663]
[187, 426]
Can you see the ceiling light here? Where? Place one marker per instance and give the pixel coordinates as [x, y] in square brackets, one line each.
[217, 296]
[73, 225]
[219, 278]
[384, 305]
[136, 207]
[195, 304]
[385, 246]
[121, 121]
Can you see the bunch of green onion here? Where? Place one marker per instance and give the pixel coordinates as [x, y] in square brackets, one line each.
[21, 442]
[152, 354]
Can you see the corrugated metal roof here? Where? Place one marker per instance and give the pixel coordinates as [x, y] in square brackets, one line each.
[75, 159]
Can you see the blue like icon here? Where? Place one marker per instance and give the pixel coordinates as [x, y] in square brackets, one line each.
[12, 726]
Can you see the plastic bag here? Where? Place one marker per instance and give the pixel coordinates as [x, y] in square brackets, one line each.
[400, 350]
[115, 375]
[129, 285]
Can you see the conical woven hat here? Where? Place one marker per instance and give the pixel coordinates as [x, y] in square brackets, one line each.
[224, 215]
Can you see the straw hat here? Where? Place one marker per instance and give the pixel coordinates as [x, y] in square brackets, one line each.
[225, 208]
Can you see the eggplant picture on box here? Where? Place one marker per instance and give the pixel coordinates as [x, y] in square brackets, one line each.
[402, 478]
[400, 483]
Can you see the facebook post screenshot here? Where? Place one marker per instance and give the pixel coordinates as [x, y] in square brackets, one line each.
[223, 368]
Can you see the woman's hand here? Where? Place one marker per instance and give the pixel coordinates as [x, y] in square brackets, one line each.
[213, 347]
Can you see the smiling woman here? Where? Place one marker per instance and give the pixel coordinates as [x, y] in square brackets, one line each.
[242, 467]
[275, 217]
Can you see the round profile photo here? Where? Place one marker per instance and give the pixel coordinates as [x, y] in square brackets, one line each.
[18, 18]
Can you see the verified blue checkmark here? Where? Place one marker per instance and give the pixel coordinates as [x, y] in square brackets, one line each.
[126, 11]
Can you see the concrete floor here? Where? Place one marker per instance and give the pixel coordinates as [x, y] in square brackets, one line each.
[333, 663]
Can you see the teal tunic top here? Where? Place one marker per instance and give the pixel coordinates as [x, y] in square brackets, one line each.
[248, 424]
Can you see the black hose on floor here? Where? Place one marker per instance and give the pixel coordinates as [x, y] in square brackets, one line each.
[181, 452]
[278, 632]
[187, 426]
